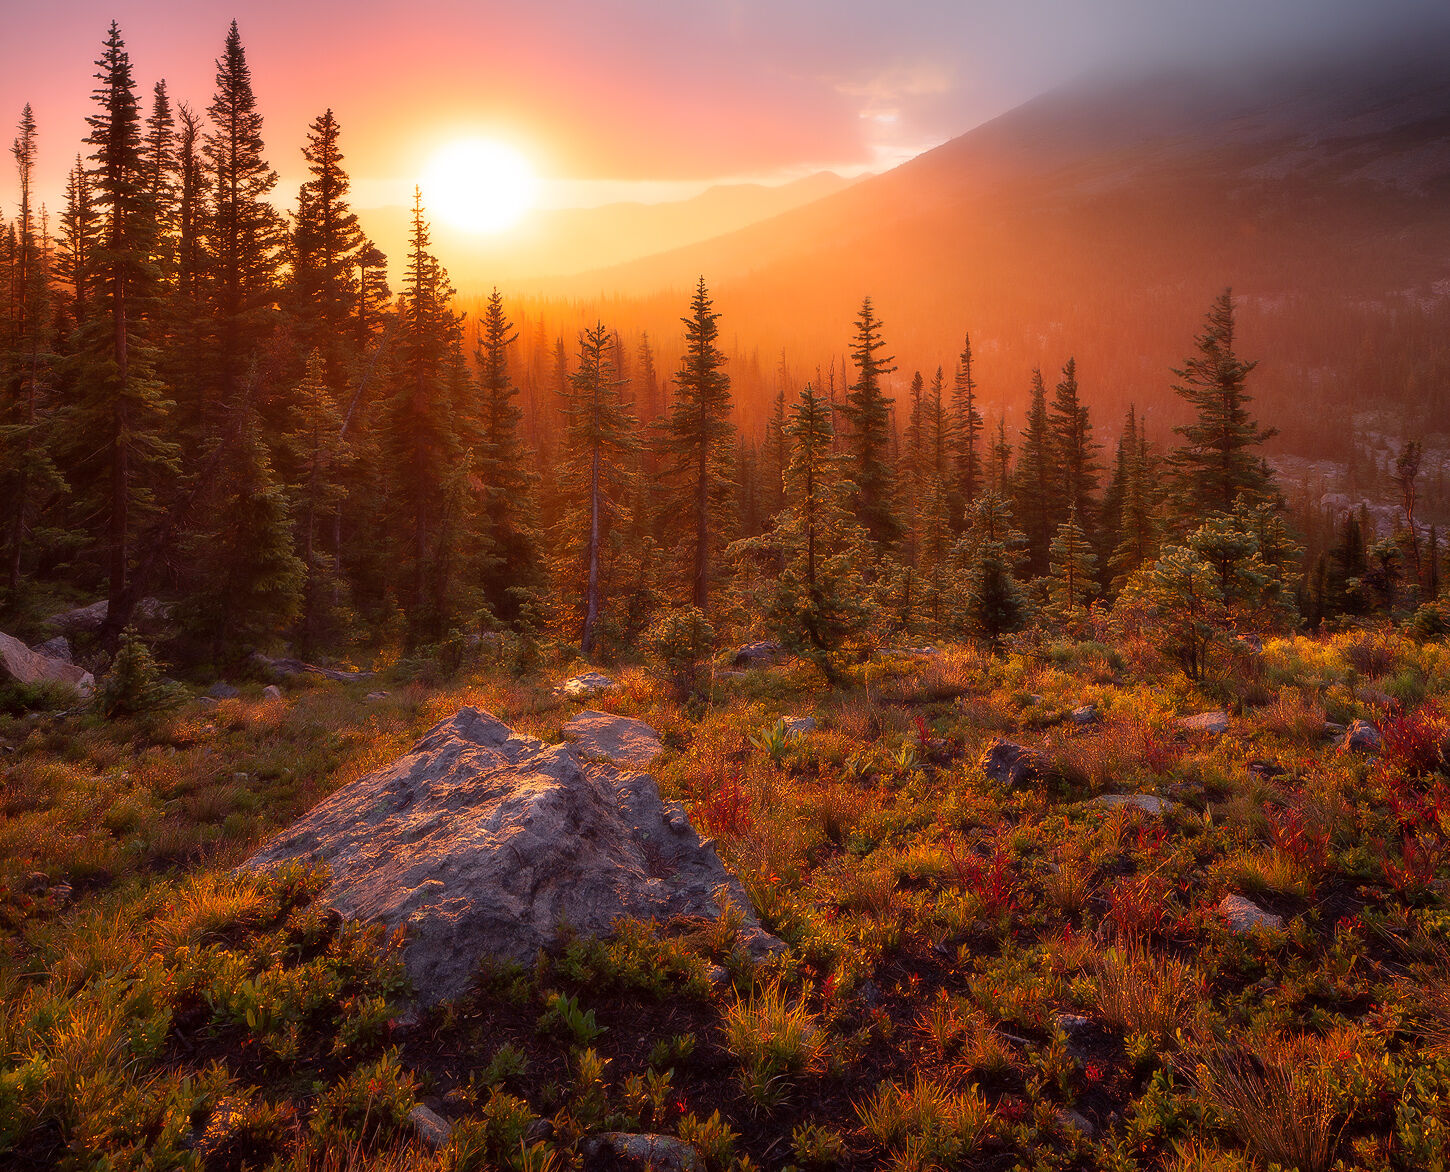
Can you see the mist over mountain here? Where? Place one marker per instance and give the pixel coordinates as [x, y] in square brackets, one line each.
[568, 241]
[1099, 220]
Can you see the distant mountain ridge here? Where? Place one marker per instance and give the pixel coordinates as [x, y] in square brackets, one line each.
[565, 241]
[1099, 221]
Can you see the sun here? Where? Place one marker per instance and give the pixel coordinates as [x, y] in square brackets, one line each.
[480, 185]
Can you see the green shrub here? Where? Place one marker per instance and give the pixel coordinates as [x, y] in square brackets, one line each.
[134, 684]
[679, 644]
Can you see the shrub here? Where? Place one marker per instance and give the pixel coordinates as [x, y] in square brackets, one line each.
[680, 641]
[134, 684]
[925, 1119]
[773, 1039]
[1277, 1095]
[1141, 993]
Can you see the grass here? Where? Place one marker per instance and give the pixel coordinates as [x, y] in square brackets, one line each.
[964, 966]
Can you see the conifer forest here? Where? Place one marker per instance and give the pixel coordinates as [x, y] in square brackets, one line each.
[836, 706]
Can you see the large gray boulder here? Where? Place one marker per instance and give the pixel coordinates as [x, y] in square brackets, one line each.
[19, 664]
[620, 740]
[484, 843]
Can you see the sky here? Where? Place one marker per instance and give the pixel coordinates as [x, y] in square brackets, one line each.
[638, 99]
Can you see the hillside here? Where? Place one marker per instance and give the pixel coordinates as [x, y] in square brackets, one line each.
[1099, 220]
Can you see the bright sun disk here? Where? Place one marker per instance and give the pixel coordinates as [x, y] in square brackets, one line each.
[480, 185]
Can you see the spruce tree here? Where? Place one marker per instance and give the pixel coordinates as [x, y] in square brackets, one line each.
[243, 228]
[509, 522]
[79, 228]
[992, 603]
[867, 409]
[1034, 484]
[966, 430]
[28, 473]
[1135, 534]
[119, 442]
[594, 479]
[1217, 461]
[1074, 567]
[1074, 452]
[327, 244]
[820, 604]
[316, 454]
[422, 442]
[698, 438]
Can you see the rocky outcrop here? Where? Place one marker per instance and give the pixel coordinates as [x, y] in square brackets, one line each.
[88, 619]
[289, 668]
[798, 726]
[1147, 803]
[20, 665]
[761, 654]
[483, 843]
[590, 683]
[619, 740]
[1085, 714]
[1009, 763]
[647, 1153]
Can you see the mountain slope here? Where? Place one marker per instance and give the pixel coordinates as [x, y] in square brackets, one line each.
[1100, 222]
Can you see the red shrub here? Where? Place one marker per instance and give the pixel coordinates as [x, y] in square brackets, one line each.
[1303, 839]
[1137, 907]
[1412, 740]
[991, 879]
[726, 812]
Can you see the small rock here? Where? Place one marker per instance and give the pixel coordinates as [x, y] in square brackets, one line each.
[374, 697]
[227, 1119]
[61, 892]
[798, 726]
[1266, 769]
[431, 1127]
[1073, 1023]
[655, 1153]
[1008, 763]
[1145, 802]
[1362, 737]
[761, 654]
[1085, 714]
[271, 692]
[1251, 643]
[37, 882]
[718, 975]
[208, 701]
[240, 778]
[1205, 722]
[591, 683]
[1244, 915]
[223, 691]
[57, 648]
[868, 992]
[1331, 729]
[1075, 1121]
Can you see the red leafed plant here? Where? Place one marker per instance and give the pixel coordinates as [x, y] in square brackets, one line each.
[991, 879]
[1421, 859]
[725, 812]
[1301, 838]
[1137, 907]
[1411, 742]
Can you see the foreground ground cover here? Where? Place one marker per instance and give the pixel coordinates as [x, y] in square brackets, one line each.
[978, 975]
